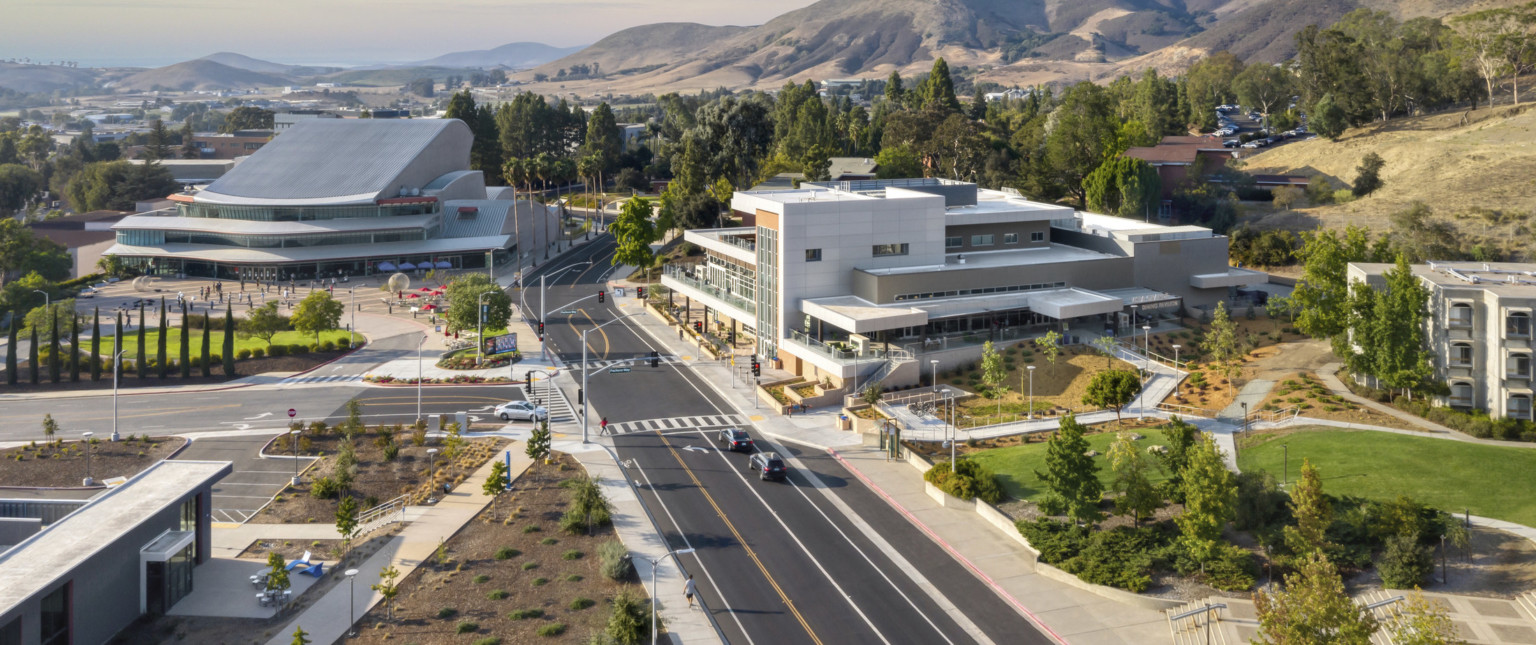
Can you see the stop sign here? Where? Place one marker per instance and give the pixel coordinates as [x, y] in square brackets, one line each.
[292, 413]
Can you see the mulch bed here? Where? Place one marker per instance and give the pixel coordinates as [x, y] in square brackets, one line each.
[435, 599]
[55, 465]
[128, 381]
[375, 480]
[326, 550]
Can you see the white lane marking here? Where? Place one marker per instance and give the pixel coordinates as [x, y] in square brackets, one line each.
[681, 534]
[692, 448]
[259, 416]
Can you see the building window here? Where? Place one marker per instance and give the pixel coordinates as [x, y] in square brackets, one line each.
[1037, 236]
[1461, 395]
[1517, 325]
[53, 623]
[1519, 406]
[981, 240]
[813, 255]
[1519, 366]
[1461, 355]
[10, 634]
[954, 242]
[1461, 316]
[881, 250]
[189, 514]
[1010, 238]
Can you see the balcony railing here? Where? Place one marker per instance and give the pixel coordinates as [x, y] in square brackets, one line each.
[740, 242]
[1461, 401]
[1459, 322]
[845, 352]
[682, 275]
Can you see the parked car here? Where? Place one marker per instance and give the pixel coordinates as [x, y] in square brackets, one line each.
[736, 439]
[767, 465]
[1273, 140]
[1230, 143]
[521, 411]
[1253, 144]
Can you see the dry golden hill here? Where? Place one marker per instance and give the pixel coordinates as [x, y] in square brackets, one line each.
[1458, 167]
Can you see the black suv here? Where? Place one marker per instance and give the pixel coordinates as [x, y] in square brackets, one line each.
[735, 439]
[767, 465]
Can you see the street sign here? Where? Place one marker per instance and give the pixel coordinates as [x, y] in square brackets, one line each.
[618, 370]
[499, 344]
[568, 312]
[292, 413]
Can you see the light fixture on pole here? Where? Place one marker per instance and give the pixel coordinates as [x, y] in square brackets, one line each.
[418, 376]
[585, 394]
[431, 475]
[935, 363]
[293, 438]
[654, 562]
[1176, 393]
[352, 603]
[47, 300]
[117, 367]
[86, 437]
[1031, 392]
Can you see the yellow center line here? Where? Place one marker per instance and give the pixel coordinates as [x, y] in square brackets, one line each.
[600, 332]
[156, 413]
[436, 399]
[750, 553]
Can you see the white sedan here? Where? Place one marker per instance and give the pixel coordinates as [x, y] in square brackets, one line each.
[520, 411]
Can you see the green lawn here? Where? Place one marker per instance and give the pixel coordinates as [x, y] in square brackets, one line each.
[216, 343]
[1016, 465]
[1492, 481]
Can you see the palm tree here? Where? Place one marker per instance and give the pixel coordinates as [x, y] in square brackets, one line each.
[587, 168]
[513, 173]
[543, 168]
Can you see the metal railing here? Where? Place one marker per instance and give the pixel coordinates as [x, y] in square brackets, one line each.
[681, 275]
[838, 352]
[384, 514]
[739, 242]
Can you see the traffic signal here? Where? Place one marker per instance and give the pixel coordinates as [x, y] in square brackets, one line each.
[698, 327]
[601, 296]
[655, 359]
[528, 383]
[541, 330]
[757, 368]
[640, 292]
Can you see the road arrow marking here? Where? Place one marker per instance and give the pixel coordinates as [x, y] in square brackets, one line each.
[259, 416]
[695, 448]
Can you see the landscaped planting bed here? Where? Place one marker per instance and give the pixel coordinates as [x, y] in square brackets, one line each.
[62, 464]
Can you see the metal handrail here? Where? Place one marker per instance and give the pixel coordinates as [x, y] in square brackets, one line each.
[382, 509]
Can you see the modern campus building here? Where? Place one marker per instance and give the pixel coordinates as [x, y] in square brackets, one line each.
[130, 551]
[864, 277]
[331, 197]
[1478, 330]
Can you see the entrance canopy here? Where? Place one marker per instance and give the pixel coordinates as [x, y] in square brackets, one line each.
[860, 316]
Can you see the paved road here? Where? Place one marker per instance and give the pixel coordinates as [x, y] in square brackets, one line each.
[776, 562]
[254, 479]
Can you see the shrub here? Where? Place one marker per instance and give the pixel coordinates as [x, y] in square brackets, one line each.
[481, 579]
[327, 346]
[581, 603]
[572, 555]
[549, 541]
[525, 614]
[466, 627]
[300, 349]
[1231, 569]
[257, 352]
[531, 528]
[614, 561]
[447, 612]
[277, 350]
[497, 594]
[242, 354]
[1405, 564]
[325, 488]
[552, 629]
[539, 582]
[969, 481]
[1122, 557]
[507, 553]
[575, 577]
[490, 640]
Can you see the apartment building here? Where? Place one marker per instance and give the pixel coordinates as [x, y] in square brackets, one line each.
[865, 279]
[1478, 330]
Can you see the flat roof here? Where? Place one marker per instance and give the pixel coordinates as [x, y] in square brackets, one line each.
[806, 195]
[1514, 279]
[39, 561]
[1061, 304]
[259, 227]
[214, 253]
[1049, 254]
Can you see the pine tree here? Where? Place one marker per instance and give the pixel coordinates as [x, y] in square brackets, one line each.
[96, 344]
[160, 340]
[1210, 500]
[538, 442]
[1313, 608]
[1138, 497]
[186, 343]
[207, 340]
[939, 90]
[229, 341]
[10, 349]
[1070, 474]
[117, 347]
[74, 348]
[895, 94]
[1312, 511]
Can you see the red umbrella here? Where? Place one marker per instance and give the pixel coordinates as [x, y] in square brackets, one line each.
[415, 295]
[426, 288]
[428, 307]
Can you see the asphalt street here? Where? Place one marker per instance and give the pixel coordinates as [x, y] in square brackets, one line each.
[775, 561]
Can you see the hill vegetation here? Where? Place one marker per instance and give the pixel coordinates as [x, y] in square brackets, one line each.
[200, 74]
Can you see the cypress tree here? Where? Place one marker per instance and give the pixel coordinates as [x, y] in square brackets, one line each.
[164, 330]
[117, 346]
[138, 367]
[96, 344]
[207, 331]
[229, 340]
[186, 343]
[74, 347]
[32, 357]
[53, 346]
[10, 350]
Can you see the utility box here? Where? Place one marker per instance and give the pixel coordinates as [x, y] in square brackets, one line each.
[463, 419]
[435, 422]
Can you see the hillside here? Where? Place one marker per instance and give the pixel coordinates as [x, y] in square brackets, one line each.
[1009, 41]
[510, 55]
[386, 77]
[1468, 173]
[44, 78]
[200, 74]
[241, 61]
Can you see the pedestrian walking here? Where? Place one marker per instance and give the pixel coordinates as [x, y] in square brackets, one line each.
[603, 427]
[689, 589]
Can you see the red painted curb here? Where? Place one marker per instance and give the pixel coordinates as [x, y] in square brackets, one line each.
[952, 552]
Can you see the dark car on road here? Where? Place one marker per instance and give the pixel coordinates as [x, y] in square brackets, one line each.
[735, 439]
[767, 465]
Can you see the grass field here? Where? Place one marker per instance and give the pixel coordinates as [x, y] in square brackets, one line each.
[1016, 465]
[1492, 481]
[216, 343]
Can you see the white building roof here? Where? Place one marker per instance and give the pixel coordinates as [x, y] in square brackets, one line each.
[242, 255]
[258, 227]
[1049, 254]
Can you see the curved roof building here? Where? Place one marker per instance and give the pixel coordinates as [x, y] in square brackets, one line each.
[334, 197]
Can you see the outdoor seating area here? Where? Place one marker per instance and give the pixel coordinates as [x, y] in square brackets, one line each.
[220, 591]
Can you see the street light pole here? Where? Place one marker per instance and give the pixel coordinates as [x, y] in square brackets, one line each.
[431, 475]
[117, 366]
[1031, 392]
[654, 562]
[586, 395]
[935, 363]
[352, 603]
[293, 438]
[352, 327]
[1176, 371]
[47, 301]
[86, 437]
[418, 375]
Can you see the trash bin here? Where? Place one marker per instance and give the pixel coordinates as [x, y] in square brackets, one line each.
[843, 423]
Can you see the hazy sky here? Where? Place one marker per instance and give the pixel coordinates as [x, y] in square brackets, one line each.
[159, 32]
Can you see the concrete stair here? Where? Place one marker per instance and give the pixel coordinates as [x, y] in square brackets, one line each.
[1527, 603]
[1196, 629]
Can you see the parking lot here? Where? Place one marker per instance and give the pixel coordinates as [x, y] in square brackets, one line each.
[254, 480]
